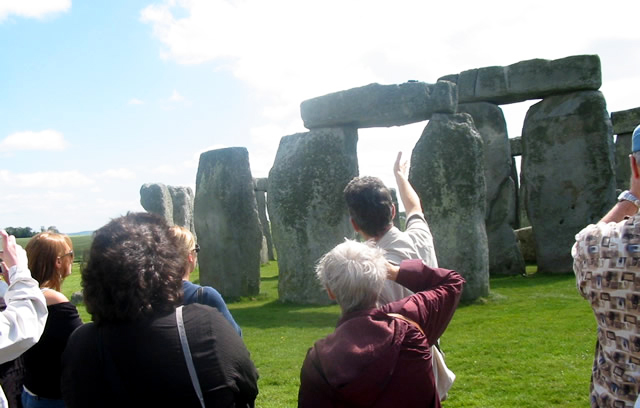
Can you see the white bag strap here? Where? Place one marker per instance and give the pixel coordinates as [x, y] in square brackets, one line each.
[187, 355]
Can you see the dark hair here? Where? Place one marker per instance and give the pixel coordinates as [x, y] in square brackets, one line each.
[369, 202]
[134, 270]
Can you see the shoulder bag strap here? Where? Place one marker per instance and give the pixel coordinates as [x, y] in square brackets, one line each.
[406, 319]
[187, 355]
[200, 295]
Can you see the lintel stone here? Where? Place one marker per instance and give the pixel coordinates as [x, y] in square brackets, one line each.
[516, 146]
[531, 79]
[376, 105]
[625, 121]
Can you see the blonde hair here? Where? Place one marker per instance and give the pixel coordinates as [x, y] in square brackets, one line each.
[43, 250]
[184, 238]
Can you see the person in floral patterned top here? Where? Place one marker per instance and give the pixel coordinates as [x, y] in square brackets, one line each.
[607, 268]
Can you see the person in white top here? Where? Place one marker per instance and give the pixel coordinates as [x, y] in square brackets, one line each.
[23, 320]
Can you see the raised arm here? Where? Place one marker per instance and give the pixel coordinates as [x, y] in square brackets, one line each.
[626, 208]
[408, 195]
[437, 294]
[22, 322]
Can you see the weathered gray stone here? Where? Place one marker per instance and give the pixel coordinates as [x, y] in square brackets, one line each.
[376, 105]
[182, 199]
[261, 184]
[261, 202]
[447, 171]
[77, 298]
[625, 121]
[227, 223]
[527, 244]
[155, 198]
[514, 215]
[264, 252]
[532, 79]
[504, 255]
[623, 169]
[306, 206]
[516, 146]
[567, 172]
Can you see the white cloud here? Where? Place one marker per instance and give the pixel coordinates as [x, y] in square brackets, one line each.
[45, 180]
[120, 174]
[322, 46]
[31, 140]
[176, 97]
[135, 101]
[32, 8]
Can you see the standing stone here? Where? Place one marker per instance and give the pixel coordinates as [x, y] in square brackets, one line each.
[306, 206]
[447, 171]
[182, 198]
[526, 242]
[567, 172]
[504, 254]
[378, 105]
[261, 201]
[623, 169]
[227, 223]
[624, 122]
[155, 198]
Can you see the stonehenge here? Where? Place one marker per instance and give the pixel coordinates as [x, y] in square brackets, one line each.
[463, 168]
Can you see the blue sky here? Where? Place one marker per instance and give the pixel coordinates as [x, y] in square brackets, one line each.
[100, 97]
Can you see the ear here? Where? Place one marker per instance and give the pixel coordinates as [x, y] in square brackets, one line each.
[330, 293]
[634, 166]
[393, 212]
[354, 225]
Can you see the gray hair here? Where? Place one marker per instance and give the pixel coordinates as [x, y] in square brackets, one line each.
[355, 273]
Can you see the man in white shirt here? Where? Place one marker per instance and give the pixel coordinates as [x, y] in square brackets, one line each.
[372, 212]
[23, 320]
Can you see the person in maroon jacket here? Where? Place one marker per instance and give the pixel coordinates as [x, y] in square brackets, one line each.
[378, 357]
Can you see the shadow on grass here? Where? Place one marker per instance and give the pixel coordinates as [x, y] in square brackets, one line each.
[276, 314]
[537, 279]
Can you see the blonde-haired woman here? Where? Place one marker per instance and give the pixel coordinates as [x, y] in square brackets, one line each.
[50, 259]
[193, 293]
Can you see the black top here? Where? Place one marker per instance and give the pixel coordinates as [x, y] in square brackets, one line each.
[142, 364]
[42, 361]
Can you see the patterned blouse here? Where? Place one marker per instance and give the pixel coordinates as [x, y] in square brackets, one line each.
[607, 268]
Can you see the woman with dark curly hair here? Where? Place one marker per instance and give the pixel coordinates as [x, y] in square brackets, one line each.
[134, 352]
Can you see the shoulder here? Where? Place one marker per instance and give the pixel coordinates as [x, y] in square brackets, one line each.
[54, 297]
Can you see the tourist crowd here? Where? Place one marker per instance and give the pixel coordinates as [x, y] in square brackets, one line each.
[157, 339]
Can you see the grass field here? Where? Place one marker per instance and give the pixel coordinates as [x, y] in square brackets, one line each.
[530, 344]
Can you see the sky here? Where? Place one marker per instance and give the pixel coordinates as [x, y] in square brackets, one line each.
[99, 97]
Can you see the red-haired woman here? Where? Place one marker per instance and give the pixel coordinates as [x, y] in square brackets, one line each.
[50, 260]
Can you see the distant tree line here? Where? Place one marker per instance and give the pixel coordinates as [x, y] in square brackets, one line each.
[27, 232]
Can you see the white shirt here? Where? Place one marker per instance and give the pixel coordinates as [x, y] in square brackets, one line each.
[416, 242]
[22, 322]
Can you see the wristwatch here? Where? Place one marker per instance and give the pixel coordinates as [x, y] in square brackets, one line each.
[627, 196]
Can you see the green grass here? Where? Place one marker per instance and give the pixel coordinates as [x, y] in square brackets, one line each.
[529, 344]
